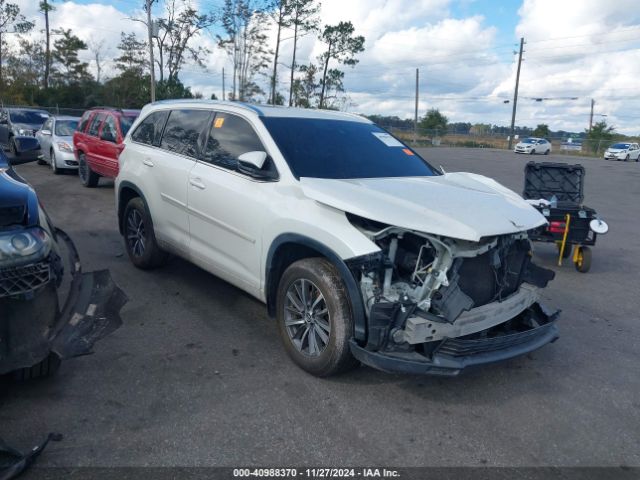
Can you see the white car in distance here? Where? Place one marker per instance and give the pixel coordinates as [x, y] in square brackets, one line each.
[361, 250]
[622, 151]
[56, 143]
[533, 145]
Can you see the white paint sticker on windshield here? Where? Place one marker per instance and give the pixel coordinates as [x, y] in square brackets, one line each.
[387, 139]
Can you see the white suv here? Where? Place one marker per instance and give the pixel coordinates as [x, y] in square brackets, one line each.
[360, 249]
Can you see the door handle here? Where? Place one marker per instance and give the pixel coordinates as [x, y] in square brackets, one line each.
[147, 162]
[196, 182]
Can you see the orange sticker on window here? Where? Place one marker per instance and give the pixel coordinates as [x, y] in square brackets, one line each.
[218, 122]
[408, 152]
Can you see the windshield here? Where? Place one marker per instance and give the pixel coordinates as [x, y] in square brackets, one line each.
[65, 128]
[29, 117]
[623, 146]
[125, 123]
[529, 140]
[321, 148]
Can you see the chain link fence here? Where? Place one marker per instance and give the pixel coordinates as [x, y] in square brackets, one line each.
[562, 145]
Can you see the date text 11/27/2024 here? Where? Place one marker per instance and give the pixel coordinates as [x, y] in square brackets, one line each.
[316, 472]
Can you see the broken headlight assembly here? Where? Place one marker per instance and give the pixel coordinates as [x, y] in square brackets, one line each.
[426, 296]
[24, 246]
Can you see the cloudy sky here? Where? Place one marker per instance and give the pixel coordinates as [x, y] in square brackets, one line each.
[463, 48]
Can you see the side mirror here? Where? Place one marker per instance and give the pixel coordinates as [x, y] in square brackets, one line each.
[253, 160]
[45, 132]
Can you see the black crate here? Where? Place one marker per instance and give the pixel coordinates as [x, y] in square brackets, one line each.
[579, 231]
[546, 180]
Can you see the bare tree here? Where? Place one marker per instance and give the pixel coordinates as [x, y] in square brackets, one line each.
[96, 47]
[244, 22]
[181, 25]
[304, 19]
[281, 16]
[45, 8]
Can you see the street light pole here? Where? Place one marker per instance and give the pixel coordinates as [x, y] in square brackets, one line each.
[591, 115]
[152, 64]
[515, 96]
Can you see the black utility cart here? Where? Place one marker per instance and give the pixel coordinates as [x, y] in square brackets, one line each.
[557, 191]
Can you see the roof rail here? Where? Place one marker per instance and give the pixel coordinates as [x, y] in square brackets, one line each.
[113, 109]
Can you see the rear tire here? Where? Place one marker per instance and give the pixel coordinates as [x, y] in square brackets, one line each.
[88, 177]
[314, 317]
[139, 237]
[45, 368]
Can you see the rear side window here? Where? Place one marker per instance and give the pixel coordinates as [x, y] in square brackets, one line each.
[109, 131]
[95, 124]
[230, 137]
[83, 121]
[150, 129]
[183, 132]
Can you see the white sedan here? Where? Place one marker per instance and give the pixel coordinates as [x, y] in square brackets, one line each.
[56, 143]
[622, 151]
[533, 145]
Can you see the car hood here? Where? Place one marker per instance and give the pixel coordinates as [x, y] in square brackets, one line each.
[458, 205]
[616, 150]
[27, 126]
[525, 144]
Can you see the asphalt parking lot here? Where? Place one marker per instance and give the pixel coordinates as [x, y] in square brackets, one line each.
[197, 376]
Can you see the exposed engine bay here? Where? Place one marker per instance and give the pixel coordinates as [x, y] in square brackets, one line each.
[422, 289]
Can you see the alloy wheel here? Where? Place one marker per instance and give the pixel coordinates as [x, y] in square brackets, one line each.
[306, 318]
[135, 233]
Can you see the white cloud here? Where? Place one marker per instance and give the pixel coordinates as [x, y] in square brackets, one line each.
[587, 49]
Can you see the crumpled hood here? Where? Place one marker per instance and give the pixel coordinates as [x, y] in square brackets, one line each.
[458, 205]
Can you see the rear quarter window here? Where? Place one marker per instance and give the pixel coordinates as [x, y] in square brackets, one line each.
[95, 124]
[149, 131]
[184, 131]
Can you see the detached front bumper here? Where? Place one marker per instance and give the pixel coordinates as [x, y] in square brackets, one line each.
[33, 324]
[449, 356]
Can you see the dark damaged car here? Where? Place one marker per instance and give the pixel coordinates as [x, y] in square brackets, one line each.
[49, 309]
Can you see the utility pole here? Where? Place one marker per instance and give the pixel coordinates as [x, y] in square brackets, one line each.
[593, 102]
[415, 116]
[152, 63]
[224, 97]
[515, 97]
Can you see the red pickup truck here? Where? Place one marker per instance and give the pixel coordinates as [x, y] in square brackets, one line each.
[97, 142]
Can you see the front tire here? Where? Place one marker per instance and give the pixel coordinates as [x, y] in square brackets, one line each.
[533, 152]
[583, 260]
[13, 148]
[314, 317]
[88, 177]
[547, 152]
[54, 165]
[626, 159]
[139, 237]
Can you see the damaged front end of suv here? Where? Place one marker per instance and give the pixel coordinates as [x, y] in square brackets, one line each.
[437, 305]
[49, 309]
[452, 283]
